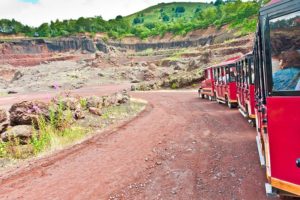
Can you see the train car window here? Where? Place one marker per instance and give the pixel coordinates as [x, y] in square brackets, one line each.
[244, 72]
[232, 73]
[247, 81]
[208, 74]
[227, 74]
[252, 72]
[285, 51]
[223, 75]
[215, 75]
[219, 75]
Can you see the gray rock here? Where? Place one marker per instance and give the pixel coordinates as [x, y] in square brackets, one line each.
[79, 114]
[22, 134]
[4, 123]
[95, 111]
[94, 101]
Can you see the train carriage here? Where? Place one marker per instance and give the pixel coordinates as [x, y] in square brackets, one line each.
[277, 90]
[225, 82]
[245, 87]
[207, 86]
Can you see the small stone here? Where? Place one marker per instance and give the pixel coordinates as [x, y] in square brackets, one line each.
[158, 163]
[95, 111]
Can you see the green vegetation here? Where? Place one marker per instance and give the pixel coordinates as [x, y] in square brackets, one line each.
[177, 18]
[174, 86]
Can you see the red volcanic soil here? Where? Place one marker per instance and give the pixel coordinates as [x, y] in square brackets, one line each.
[180, 147]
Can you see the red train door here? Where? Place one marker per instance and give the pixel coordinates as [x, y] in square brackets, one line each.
[283, 105]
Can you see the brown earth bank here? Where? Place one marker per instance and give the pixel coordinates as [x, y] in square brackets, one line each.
[33, 51]
[181, 147]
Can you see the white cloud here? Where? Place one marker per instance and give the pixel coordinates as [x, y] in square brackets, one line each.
[47, 10]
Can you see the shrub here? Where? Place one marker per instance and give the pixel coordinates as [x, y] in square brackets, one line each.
[166, 18]
[180, 9]
[174, 86]
[83, 103]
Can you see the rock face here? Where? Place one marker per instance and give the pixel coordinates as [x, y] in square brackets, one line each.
[71, 43]
[21, 134]
[164, 45]
[27, 112]
[101, 46]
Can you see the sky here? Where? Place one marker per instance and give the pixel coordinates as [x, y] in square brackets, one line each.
[36, 12]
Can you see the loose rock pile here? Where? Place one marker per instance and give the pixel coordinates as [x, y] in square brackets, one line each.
[20, 122]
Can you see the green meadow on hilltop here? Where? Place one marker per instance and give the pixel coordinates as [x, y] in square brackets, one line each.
[177, 18]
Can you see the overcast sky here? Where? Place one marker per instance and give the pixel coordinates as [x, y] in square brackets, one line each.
[35, 12]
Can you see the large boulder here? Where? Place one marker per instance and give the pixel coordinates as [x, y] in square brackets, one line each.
[27, 112]
[3, 121]
[21, 134]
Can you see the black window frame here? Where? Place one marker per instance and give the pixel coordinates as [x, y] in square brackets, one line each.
[267, 48]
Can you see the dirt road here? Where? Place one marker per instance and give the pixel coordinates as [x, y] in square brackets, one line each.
[181, 147]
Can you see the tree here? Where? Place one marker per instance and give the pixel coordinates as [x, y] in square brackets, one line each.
[219, 2]
[180, 9]
[43, 30]
[119, 17]
[138, 20]
[166, 18]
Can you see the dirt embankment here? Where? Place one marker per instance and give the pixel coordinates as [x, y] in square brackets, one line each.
[29, 52]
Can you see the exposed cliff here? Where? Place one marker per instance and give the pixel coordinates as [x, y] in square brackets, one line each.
[72, 43]
[164, 45]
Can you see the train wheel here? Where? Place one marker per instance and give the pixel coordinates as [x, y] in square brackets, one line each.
[210, 98]
[230, 105]
[201, 96]
[252, 123]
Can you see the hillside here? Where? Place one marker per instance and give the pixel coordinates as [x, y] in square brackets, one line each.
[175, 18]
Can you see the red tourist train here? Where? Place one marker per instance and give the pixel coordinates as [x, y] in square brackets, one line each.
[220, 83]
[268, 92]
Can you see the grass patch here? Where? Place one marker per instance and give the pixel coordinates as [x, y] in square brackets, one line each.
[3, 94]
[123, 111]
